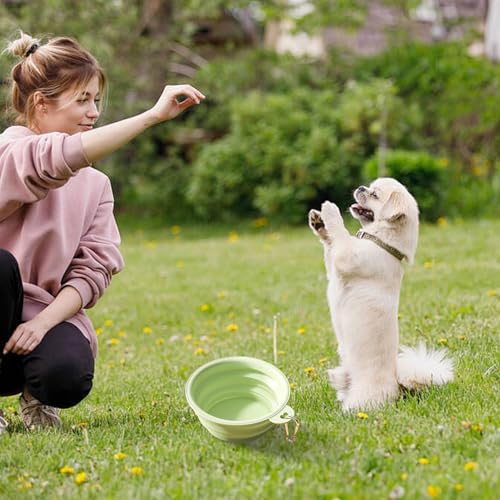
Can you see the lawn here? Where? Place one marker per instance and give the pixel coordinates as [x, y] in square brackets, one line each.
[189, 295]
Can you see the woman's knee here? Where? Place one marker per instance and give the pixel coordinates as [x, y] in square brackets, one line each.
[60, 371]
[63, 383]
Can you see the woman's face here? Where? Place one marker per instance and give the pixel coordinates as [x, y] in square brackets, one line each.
[70, 113]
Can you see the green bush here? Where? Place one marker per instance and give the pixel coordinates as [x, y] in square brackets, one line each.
[458, 94]
[281, 152]
[290, 151]
[368, 109]
[420, 172]
[474, 195]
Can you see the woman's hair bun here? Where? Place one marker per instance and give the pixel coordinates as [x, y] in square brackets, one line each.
[21, 46]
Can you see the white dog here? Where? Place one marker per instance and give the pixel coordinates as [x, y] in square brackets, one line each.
[364, 280]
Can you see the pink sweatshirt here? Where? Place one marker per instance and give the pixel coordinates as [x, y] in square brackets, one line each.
[56, 218]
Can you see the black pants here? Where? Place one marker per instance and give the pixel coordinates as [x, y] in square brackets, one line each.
[59, 371]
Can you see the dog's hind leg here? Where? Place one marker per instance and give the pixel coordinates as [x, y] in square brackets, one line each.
[339, 379]
[365, 396]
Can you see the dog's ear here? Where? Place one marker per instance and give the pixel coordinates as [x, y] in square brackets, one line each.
[395, 208]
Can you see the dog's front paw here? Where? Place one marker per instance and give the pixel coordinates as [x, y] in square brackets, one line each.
[317, 225]
[330, 213]
[315, 220]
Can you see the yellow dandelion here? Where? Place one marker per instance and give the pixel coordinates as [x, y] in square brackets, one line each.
[404, 476]
[232, 327]
[477, 428]
[108, 322]
[188, 337]
[442, 221]
[205, 308]
[175, 230]
[461, 337]
[301, 330]
[67, 470]
[80, 478]
[491, 293]
[310, 371]
[136, 471]
[423, 461]
[233, 237]
[221, 295]
[98, 331]
[293, 385]
[322, 361]
[114, 341]
[458, 487]
[82, 425]
[200, 351]
[119, 456]
[471, 466]
[429, 264]
[25, 485]
[363, 416]
[444, 162]
[442, 341]
[260, 222]
[433, 491]
[152, 244]
[159, 342]
[122, 334]
[180, 264]
[147, 330]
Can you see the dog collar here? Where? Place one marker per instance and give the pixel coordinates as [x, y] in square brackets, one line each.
[393, 251]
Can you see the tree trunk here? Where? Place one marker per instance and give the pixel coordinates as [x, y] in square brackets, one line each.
[492, 33]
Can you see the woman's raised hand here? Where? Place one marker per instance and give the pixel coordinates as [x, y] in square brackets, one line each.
[102, 141]
[174, 100]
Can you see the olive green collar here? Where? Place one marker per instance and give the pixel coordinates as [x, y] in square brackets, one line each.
[393, 251]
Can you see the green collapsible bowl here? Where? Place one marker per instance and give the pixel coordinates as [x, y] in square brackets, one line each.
[239, 398]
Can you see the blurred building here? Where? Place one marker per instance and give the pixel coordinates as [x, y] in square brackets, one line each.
[432, 20]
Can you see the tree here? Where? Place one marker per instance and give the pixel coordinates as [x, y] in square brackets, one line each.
[492, 33]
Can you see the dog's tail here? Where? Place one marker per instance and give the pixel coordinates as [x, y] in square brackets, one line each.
[418, 367]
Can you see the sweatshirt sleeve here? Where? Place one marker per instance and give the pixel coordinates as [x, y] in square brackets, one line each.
[32, 165]
[98, 257]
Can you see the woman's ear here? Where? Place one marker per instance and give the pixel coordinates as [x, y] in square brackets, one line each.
[40, 101]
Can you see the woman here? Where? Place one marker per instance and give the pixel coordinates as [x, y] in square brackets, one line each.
[58, 236]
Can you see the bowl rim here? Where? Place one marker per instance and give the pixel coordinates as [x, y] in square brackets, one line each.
[234, 423]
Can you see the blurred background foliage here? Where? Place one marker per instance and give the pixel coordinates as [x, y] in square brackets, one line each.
[278, 134]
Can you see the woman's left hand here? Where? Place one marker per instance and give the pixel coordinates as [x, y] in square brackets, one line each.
[26, 337]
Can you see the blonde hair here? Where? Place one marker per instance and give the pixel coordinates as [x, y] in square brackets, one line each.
[51, 68]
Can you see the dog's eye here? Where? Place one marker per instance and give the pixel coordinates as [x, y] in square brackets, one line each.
[374, 194]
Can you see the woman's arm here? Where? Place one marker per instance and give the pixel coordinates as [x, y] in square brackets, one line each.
[104, 140]
[29, 334]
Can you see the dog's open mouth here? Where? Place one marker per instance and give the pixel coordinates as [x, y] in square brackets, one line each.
[362, 212]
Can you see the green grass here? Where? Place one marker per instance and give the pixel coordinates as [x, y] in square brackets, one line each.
[137, 407]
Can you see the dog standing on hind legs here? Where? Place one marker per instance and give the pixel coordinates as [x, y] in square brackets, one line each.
[364, 274]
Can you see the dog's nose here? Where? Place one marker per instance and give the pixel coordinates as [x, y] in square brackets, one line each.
[361, 189]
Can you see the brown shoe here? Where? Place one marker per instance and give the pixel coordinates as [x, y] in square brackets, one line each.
[37, 415]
